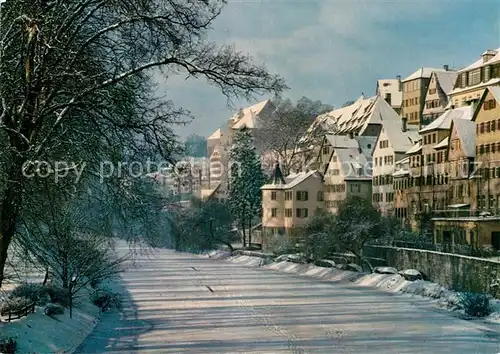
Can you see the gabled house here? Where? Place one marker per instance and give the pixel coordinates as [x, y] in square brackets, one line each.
[219, 144]
[436, 99]
[487, 177]
[289, 203]
[474, 218]
[473, 79]
[390, 146]
[348, 171]
[415, 89]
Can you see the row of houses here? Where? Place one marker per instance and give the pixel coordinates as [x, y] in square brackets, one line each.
[422, 148]
[425, 148]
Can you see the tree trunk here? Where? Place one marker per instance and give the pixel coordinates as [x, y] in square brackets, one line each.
[250, 233]
[9, 213]
[244, 234]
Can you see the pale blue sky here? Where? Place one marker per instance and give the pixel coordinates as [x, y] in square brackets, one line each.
[335, 50]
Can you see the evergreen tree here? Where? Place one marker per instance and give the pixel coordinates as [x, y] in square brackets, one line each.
[245, 180]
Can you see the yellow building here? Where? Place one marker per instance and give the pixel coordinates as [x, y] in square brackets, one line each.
[289, 203]
[415, 89]
[436, 99]
[473, 79]
[475, 183]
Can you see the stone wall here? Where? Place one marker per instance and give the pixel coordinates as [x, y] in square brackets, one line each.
[456, 272]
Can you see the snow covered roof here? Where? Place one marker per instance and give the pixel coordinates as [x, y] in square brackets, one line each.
[495, 91]
[402, 167]
[480, 62]
[356, 117]
[442, 144]
[341, 141]
[401, 141]
[292, 180]
[353, 163]
[423, 73]
[391, 86]
[216, 135]
[466, 131]
[491, 82]
[415, 148]
[445, 119]
[247, 116]
[446, 80]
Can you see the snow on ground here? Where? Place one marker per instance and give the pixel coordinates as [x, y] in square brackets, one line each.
[438, 295]
[39, 333]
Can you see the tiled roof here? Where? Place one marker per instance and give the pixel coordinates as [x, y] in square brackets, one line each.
[247, 116]
[446, 80]
[292, 180]
[479, 63]
[356, 117]
[401, 141]
[495, 91]
[442, 144]
[423, 73]
[414, 149]
[216, 135]
[444, 120]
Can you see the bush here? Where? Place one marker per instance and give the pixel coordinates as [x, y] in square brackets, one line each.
[58, 295]
[8, 345]
[475, 304]
[106, 299]
[280, 244]
[33, 291]
[13, 304]
[53, 309]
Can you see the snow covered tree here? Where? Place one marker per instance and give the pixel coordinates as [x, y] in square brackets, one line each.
[281, 132]
[357, 222]
[76, 85]
[245, 180]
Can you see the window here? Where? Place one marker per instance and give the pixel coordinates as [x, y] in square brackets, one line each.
[326, 150]
[434, 136]
[334, 158]
[463, 80]
[488, 128]
[487, 73]
[474, 77]
[274, 212]
[301, 212]
[288, 195]
[320, 196]
[273, 195]
[490, 104]
[288, 213]
[302, 195]
[481, 128]
[432, 91]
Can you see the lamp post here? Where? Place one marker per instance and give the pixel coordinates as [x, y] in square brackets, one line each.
[72, 284]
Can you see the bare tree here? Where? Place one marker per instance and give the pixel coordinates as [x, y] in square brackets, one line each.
[77, 74]
[280, 134]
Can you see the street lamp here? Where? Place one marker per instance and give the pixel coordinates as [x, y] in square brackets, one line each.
[72, 284]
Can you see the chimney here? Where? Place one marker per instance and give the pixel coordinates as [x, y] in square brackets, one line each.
[404, 125]
[446, 67]
[351, 135]
[400, 88]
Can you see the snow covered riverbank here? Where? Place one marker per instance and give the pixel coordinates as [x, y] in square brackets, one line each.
[437, 295]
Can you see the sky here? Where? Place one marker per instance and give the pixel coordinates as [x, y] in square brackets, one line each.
[334, 51]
